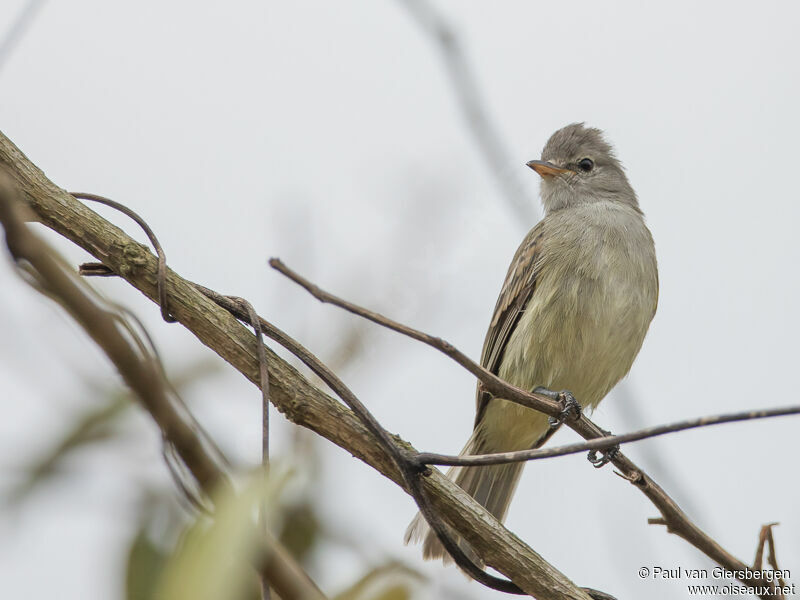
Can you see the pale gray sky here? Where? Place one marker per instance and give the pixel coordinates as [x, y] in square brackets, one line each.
[327, 134]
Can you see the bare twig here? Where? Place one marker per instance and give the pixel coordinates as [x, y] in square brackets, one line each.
[673, 517]
[263, 376]
[247, 313]
[491, 382]
[765, 539]
[602, 443]
[162, 257]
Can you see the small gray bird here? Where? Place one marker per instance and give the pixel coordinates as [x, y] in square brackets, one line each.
[572, 315]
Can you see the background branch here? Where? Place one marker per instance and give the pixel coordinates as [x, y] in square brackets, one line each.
[142, 373]
[107, 329]
[18, 29]
[468, 95]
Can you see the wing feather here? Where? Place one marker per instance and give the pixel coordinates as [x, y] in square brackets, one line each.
[517, 290]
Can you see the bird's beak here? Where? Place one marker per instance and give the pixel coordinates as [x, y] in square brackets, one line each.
[546, 169]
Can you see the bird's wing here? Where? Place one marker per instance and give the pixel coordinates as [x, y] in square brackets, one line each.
[514, 296]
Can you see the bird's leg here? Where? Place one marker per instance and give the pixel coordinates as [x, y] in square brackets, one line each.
[570, 409]
[607, 456]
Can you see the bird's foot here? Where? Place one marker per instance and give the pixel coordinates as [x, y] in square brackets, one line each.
[606, 455]
[570, 409]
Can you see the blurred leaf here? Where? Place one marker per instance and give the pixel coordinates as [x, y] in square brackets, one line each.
[300, 531]
[145, 564]
[396, 592]
[214, 561]
[391, 581]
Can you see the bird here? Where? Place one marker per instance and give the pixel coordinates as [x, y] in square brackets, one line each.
[571, 317]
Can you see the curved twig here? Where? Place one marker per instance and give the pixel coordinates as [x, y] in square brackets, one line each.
[602, 443]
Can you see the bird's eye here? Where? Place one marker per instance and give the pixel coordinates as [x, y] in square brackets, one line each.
[586, 164]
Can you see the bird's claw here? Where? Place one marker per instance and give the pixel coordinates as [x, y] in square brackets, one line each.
[606, 455]
[570, 408]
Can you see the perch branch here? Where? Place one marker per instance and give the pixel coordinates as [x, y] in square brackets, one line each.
[673, 517]
[602, 443]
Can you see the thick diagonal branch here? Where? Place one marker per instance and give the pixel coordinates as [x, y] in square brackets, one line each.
[290, 392]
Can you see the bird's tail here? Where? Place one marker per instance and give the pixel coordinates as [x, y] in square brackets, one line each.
[492, 486]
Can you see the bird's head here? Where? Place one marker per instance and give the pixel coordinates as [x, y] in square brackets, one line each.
[577, 167]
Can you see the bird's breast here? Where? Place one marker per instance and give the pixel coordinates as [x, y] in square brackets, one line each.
[595, 295]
